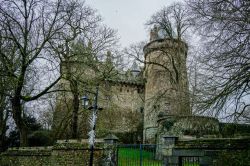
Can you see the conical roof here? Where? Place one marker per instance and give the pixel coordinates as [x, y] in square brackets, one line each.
[135, 67]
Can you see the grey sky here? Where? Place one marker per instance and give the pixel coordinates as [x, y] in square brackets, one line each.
[128, 16]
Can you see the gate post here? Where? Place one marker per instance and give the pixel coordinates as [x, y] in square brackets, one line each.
[111, 156]
[168, 145]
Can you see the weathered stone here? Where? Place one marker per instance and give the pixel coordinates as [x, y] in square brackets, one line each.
[166, 88]
[210, 152]
[65, 154]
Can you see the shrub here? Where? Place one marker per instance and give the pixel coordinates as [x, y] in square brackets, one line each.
[40, 138]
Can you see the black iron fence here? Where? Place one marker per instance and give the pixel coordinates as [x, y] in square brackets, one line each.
[189, 161]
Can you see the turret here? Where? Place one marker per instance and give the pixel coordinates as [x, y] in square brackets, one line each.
[135, 69]
[166, 88]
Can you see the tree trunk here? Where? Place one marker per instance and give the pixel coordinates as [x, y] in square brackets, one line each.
[3, 129]
[17, 116]
[2, 133]
[74, 90]
[23, 136]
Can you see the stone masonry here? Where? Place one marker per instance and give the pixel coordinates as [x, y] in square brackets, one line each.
[142, 95]
[166, 88]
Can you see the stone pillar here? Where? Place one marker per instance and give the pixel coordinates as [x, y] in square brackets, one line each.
[110, 151]
[168, 145]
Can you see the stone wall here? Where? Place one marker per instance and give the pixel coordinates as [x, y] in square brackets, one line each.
[64, 154]
[207, 152]
[234, 130]
[121, 101]
[26, 157]
[184, 125]
[122, 112]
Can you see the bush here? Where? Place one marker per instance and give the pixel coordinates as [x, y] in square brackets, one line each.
[40, 138]
[234, 158]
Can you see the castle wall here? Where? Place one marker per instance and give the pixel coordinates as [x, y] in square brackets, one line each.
[165, 91]
[166, 88]
[121, 103]
[122, 109]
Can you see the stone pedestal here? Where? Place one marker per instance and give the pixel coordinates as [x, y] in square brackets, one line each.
[110, 150]
[169, 142]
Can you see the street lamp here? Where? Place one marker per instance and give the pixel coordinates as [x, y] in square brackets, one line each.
[85, 101]
[92, 121]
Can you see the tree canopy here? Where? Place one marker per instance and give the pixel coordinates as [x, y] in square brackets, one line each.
[224, 27]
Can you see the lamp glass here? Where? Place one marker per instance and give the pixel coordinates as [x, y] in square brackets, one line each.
[85, 101]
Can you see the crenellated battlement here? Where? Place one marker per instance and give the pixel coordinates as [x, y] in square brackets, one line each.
[160, 44]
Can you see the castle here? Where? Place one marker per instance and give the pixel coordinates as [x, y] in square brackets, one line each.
[154, 100]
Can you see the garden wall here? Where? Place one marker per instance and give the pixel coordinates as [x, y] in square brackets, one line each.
[207, 152]
[63, 154]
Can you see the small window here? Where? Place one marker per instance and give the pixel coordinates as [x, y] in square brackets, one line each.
[167, 107]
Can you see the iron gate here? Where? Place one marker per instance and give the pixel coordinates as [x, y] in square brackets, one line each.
[139, 155]
[192, 161]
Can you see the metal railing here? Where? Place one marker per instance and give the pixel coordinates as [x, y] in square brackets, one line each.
[189, 161]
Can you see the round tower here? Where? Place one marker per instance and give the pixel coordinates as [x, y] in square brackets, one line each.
[166, 88]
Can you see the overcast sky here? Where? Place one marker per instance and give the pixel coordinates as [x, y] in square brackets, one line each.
[128, 16]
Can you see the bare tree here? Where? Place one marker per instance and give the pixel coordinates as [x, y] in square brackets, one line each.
[27, 26]
[4, 108]
[80, 48]
[170, 24]
[225, 28]
[172, 21]
[82, 20]
[135, 51]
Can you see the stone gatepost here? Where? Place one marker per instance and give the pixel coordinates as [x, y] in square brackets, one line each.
[167, 147]
[110, 150]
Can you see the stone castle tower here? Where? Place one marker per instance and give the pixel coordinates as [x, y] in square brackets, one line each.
[166, 87]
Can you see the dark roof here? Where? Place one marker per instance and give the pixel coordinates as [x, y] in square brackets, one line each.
[135, 67]
[111, 137]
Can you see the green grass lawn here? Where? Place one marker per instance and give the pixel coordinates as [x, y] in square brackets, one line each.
[131, 157]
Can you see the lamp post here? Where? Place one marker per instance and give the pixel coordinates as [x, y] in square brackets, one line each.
[92, 121]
